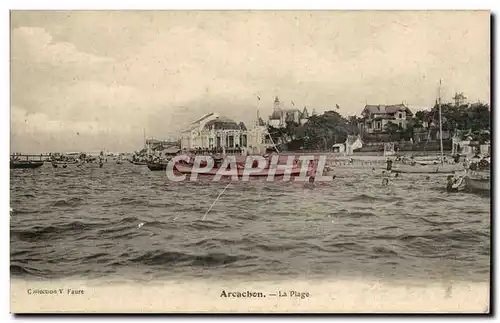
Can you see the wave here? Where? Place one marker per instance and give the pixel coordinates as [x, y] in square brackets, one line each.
[37, 233]
[390, 227]
[156, 258]
[360, 214]
[273, 248]
[241, 216]
[208, 242]
[445, 223]
[97, 258]
[383, 251]
[33, 210]
[345, 245]
[71, 202]
[24, 270]
[127, 201]
[370, 198]
[88, 225]
[207, 224]
[463, 235]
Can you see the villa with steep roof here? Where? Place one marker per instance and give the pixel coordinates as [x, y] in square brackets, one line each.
[376, 117]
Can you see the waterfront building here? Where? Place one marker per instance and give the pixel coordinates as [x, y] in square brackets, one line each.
[376, 117]
[352, 142]
[215, 132]
[466, 143]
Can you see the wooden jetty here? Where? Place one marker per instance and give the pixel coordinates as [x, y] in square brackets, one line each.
[31, 157]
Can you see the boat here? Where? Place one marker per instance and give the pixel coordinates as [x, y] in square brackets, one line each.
[424, 168]
[157, 166]
[478, 182]
[470, 182]
[61, 162]
[476, 178]
[25, 164]
[433, 166]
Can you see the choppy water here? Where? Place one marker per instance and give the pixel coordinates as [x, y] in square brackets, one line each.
[85, 223]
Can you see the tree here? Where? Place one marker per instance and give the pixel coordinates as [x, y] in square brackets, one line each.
[291, 129]
[394, 131]
[412, 124]
[474, 117]
[421, 115]
[277, 134]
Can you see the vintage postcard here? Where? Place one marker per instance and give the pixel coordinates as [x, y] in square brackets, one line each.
[250, 161]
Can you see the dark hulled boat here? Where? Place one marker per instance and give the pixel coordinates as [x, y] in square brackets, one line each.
[25, 164]
[157, 166]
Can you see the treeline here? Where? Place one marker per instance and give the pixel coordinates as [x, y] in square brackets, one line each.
[323, 131]
[320, 132]
[473, 119]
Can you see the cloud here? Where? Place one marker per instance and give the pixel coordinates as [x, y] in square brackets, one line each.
[38, 132]
[121, 72]
[35, 123]
[36, 44]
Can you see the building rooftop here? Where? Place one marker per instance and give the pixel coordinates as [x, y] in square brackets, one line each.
[385, 109]
[278, 112]
[197, 121]
[221, 123]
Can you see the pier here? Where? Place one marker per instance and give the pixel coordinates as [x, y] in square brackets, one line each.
[32, 157]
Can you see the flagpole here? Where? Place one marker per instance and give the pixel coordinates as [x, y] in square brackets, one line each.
[440, 124]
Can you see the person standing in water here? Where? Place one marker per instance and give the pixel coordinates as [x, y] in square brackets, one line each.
[311, 182]
[389, 164]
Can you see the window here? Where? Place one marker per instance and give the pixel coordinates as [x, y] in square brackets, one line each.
[400, 115]
[243, 140]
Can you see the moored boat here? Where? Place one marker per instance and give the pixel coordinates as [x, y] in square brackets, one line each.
[157, 166]
[477, 183]
[426, 168]
[25, 164]
[470, 181]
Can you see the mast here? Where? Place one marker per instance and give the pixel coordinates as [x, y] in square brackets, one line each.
[440, 124]
[258, 116]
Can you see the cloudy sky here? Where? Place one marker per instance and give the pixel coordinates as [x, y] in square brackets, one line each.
[89, 80]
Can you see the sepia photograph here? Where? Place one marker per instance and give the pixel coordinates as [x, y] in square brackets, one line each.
[250, 161]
